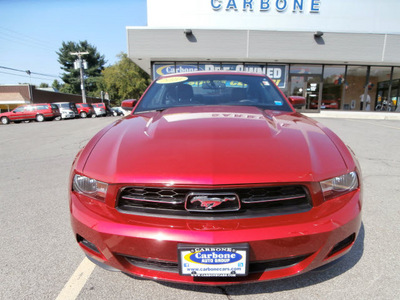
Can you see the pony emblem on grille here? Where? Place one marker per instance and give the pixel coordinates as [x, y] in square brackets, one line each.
[212, 202]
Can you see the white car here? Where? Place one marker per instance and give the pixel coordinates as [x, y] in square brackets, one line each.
[68, 110]
[99, 111]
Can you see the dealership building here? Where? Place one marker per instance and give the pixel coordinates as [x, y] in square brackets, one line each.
[338, 54]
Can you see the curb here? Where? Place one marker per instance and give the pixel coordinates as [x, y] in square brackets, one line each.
[355, 115]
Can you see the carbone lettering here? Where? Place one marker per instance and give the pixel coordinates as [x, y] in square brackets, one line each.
[215, 255]
[314, 6]
[213, 249]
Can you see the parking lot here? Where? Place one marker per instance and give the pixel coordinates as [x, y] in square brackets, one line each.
[40, 259]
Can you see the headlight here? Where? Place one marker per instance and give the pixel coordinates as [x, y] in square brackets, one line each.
[90, 187]
[340, 185]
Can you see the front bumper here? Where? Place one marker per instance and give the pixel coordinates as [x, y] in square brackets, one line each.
[280, 246]
[67, 115]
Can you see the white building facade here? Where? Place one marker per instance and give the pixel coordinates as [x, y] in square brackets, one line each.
[338, 54]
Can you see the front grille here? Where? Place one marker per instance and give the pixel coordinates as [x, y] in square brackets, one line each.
[254, 267]
[255, 202]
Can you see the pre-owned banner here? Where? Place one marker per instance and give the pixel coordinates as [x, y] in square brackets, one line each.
[276, 72]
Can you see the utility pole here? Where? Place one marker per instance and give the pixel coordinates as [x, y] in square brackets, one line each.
[79, 63]
[30, 86]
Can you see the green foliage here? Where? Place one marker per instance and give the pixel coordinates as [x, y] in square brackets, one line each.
[71, 77]
[124, 80]
[56, 85]
[68, 89]
[44, 85]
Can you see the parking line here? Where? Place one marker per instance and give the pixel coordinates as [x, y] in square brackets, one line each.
[377, 124]
[77, 281]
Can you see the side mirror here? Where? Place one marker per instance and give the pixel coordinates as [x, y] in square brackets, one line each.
[297, 101]
[128, 104]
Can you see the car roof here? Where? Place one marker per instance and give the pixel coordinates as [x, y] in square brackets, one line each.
[204, 73]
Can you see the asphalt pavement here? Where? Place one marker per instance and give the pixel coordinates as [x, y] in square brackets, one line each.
[39, 256]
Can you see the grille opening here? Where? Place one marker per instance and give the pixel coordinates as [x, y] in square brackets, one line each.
[342, 245]
[153, 264]
[258, 267]
[87, 244]
[255, 202]
[254, 267]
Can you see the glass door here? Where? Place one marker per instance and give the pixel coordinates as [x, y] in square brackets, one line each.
[307, 86]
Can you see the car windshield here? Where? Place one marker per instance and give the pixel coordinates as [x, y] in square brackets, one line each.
[212, 89]
[65, 105]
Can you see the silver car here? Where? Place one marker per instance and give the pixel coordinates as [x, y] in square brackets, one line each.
[68, 110]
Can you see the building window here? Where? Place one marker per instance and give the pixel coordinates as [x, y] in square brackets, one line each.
[395, 89]
[333, 87]
[379, 87]
[305, 81]
[355, 88]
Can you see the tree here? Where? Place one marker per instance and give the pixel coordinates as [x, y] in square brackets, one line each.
[124, 80]
[56, 85]
[71, 77]
[44, 85]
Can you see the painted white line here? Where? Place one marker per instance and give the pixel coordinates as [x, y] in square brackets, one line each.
[377, 124]
[77, 281]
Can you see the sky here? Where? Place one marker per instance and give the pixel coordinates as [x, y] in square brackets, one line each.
[31, 31]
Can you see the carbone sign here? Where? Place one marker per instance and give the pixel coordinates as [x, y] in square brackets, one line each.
[313, 6]
[209, 257]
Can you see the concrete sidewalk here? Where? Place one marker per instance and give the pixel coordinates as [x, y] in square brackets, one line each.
[355, 115]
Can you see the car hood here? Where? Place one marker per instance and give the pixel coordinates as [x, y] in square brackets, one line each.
[214, 146]
[6, 114]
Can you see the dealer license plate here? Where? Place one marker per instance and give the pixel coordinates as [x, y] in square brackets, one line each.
[213, 261]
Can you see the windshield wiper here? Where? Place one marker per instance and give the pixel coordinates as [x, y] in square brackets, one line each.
[150, 110]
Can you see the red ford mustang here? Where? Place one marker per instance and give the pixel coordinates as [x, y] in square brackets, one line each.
[214, 179]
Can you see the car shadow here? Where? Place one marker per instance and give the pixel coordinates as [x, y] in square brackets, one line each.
[313, 277]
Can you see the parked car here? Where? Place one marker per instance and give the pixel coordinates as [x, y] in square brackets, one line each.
[329, 101]
[117, 111]
[68, 110]
[99, 111]
[106, 108]
[38, 112]
[215, 179]
[85, 110]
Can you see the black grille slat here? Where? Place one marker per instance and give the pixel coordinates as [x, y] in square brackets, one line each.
[257, 201]
[254, 267]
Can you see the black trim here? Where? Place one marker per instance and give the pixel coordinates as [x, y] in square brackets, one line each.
[169, 202]
[254, 266]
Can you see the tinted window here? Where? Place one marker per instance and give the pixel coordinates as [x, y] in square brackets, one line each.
[19, 109]
[217, 89]
[41, 107]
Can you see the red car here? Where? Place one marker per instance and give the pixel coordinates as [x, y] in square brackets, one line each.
[38, 112]
[329, 101]
[107, 111]
[85, 110]
[214, 179]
